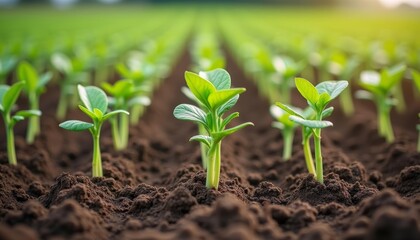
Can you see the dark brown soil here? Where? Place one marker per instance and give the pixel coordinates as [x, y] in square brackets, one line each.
[156, 188]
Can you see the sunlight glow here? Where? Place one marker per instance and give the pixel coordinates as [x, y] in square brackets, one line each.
[396, 3]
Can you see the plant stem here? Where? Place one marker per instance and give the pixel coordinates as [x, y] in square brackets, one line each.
[384, 121]
[116, 138]
[288, 143]
[33, 125]
[203, 147]
[62, 105]
[136, 113]
[213, 167]
[10, 138]
[96, 159]
[418, 143]
[318, 153]
[308, 156]
[346, 102]
[399, 95]
[124, 126]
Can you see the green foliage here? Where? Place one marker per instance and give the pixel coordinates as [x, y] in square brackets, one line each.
[95, 106]
[318, 97]
[34, 86]
[212, 90]
[8, 98]
[380, 89]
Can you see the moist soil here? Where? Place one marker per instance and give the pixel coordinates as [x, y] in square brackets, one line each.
[156, 188]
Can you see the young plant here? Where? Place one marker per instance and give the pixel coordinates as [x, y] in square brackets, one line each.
[379, 88]
[343, 67]
[287, 128]
[213, 91]
[286, 70]
[95, 106]
[74, 73]
[34, 86]
[8, 97]
[124, 96]
[318, 97]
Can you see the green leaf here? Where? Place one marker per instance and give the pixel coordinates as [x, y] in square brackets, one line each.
[11, 96]
[392, 76]
[218, 136]
[3, 90]
[113, 113]
[310, 123]
[228, 105]
[62, 63]
[98, 113]
[28, 113]
[220, 78]
[290, 110]
[207, 140]
[327, 112]
[93, 97]
[76, 125]
[229, 118]
[122, 88]
[87, 112]
[332, 88]
[16, 119]
[188, 112]
[323, 100]
[307, 90]
[44, 79]
[218, 98]
[200, 87]
[28, 75]
[142, 100]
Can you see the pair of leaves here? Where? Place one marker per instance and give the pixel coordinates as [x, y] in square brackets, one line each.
[305, 119]
[382, 83]
[318, 97]
[218, 136]
[95, 105]
[33, 82]
[215, 94]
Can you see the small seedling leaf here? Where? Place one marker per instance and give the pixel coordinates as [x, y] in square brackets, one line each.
[200, 87]
[229, 118]
[188, 112]
[290, 110]
[142, 100]
[87, 112]
[220, 78]
[327, 112]
[93, 97]
[332, 88]
[228, 105]
[44, 80]
[307, 90]
[203, 139]
[28, 75]
[113, 113]
[28, 113]
[11, 96]
[76, 125]
[218, 136]
[218, 98]
[310, 123]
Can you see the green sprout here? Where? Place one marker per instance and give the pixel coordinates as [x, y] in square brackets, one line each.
[73, 72]
[343, 67]
[286, 70]
[379, 88]
[287, 128]
[124, 96]
[318, 98]
[34, 86]
[8, 97]
[95, 106]
[213, 91]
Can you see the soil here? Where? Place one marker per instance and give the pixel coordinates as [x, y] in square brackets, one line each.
[156, 188]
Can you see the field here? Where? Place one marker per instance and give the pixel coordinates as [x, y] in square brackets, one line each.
[155, 187]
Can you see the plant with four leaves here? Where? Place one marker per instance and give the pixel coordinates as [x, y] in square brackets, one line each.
[215, 94]
[318, 97]
[8, 97]
[34, 85]
[95, 106]
[379, 88]
[124, 96]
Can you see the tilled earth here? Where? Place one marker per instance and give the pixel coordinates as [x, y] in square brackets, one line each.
[156, 188]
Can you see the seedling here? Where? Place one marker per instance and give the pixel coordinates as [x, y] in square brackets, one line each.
[124, 96]
[73, 71]
[34, 86]
[213, 91]
[379, 88]
[8, 97]
[287, 69]
[287, 128]
[318, 98]
[343, 67]
[95, 106]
